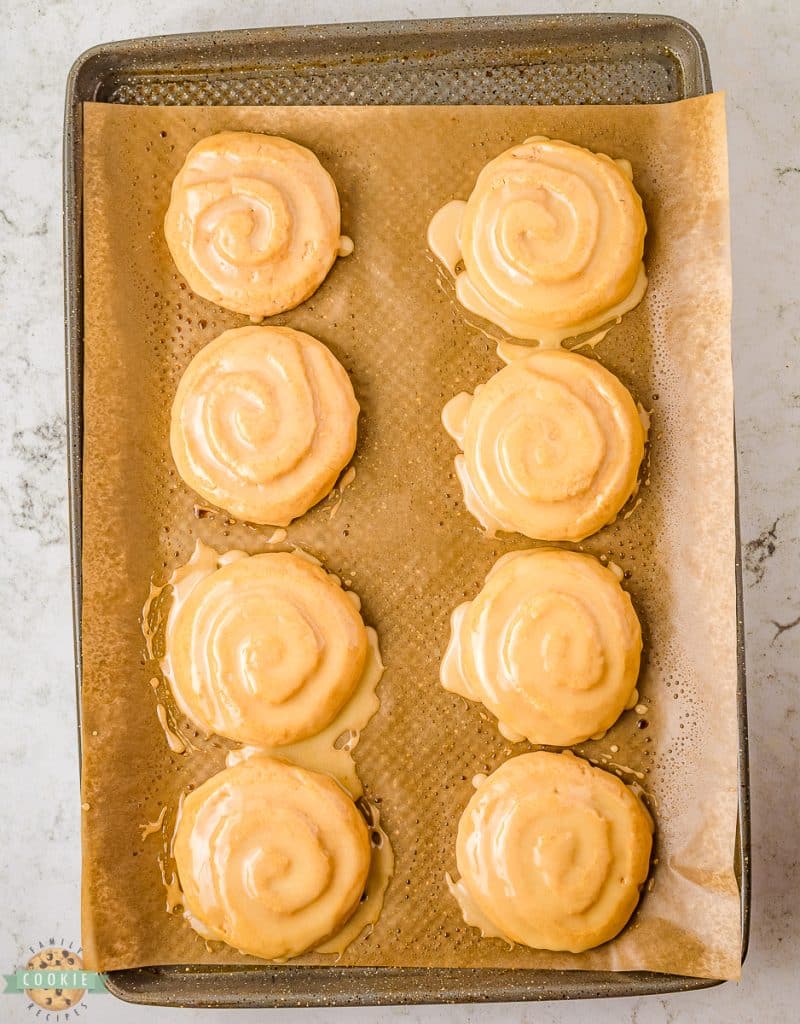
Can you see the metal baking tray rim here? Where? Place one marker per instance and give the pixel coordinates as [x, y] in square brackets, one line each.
[376, 985]
[384, 36]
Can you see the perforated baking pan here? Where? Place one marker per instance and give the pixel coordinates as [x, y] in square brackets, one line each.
[584, 58]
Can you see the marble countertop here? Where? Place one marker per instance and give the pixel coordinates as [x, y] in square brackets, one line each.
[751, 50]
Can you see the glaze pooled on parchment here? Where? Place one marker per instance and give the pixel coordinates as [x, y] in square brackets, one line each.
[263, 422]
[244, 690]
[551, 646]
[552, 445]
[265, 649]
[273, 859]
[254, 222]
[330, 753]
[552, 853]
[551, 240]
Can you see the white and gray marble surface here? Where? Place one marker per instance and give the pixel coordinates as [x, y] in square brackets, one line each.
[753, 47]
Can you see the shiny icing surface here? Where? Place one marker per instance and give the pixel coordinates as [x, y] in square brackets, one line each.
[552, 853]
[265, 649]
[253, 222]
[328, 751]
[273, 859]
[264, 420]
[551, 646]
[551, 446]
[551, 240]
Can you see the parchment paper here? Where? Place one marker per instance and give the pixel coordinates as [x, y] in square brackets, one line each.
[402, 535]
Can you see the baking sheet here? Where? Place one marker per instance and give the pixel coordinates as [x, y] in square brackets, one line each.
[401, 533]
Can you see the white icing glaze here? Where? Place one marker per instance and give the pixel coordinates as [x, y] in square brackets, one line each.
[551, 646]
[264, 420]
[552, 446]
[272, 858]
[551, 240]
[552, 853]
[253, 222]
[265, 650]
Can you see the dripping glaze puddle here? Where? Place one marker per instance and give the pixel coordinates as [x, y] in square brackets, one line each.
[330, 751]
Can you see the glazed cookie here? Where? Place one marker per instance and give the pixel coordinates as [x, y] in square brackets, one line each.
[265, 650]
[551, 646]
[551, 445]
[253, 222]
[263, 422]
[551, 240]
[552, 853]
[272, 859]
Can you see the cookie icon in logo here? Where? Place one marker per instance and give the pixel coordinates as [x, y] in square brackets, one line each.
[55, 958]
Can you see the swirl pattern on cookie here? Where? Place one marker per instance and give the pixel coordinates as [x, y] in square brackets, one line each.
[263, 422]
[272, 859]
[552, 853]
[551, 240]
[551, 447]
[551, 646]
[253, 222]
[265, 650]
